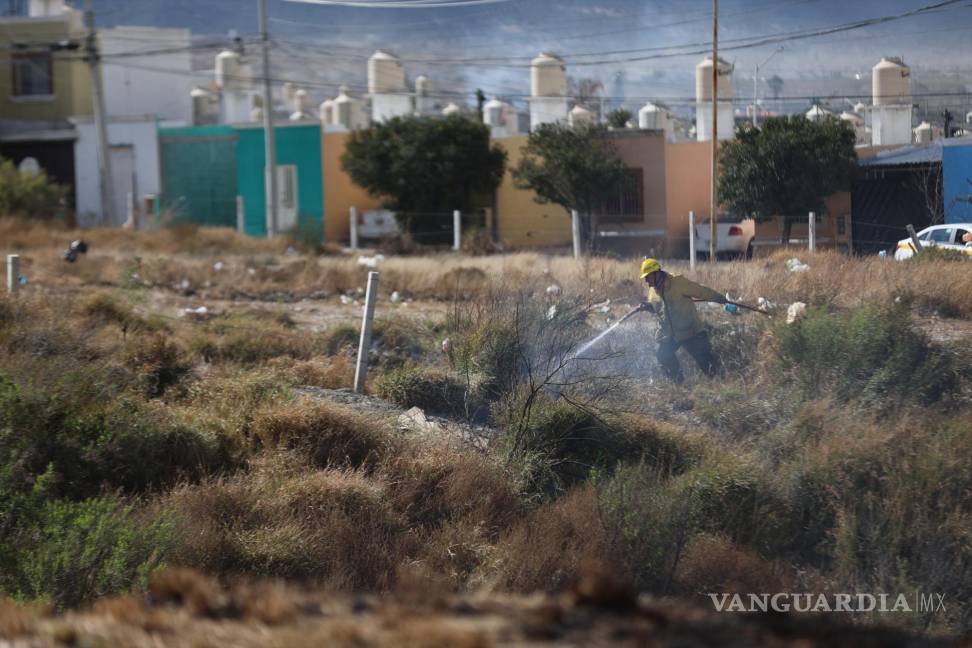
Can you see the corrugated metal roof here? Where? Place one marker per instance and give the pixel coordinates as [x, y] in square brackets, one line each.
[915, 154]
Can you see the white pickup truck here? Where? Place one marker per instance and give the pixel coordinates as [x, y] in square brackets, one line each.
[734, 237]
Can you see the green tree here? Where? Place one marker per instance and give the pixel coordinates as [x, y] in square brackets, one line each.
[786, 167]
[426, 166]
[576, 168]
[619, 118]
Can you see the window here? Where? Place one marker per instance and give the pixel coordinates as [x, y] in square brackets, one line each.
[33, 74]
[627, 205]
[15, 7]
[960, 235]
[942, 235]
[923, 236]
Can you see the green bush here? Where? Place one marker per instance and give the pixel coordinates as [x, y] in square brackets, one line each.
[29, 194]
[89, 435]
[872, 354]
[431, 389]
[70, 553]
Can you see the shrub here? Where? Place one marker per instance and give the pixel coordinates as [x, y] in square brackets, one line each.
[29, 194]
[328, 434]
[73, 552]
[283, 520]
[431, 389]
[873, 354]
[158, 364]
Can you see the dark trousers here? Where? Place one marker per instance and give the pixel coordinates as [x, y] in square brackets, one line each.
[698, 347]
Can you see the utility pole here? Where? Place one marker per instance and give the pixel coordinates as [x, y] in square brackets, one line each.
[756, 85]
[101, 128]
[948, 122]
[270, 142]
[715, 131]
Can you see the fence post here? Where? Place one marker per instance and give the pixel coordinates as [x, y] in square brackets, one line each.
[240, 215]
[575, 232]
[364, 343]
[914, 238]
[354, 228]
[131, 218]
[812, 233]
[692, 241]
[456, 230]
[13, 273]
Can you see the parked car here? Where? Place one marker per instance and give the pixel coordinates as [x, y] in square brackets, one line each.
[734, 237]
[954, 236]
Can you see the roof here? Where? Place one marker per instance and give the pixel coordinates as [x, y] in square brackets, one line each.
[930, 153]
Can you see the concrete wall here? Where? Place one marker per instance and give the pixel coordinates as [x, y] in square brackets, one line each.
[521, 222]
[340, 193]
[688, 180]
[71, 82]
[157, 83]
[957, 183]
[138, 133]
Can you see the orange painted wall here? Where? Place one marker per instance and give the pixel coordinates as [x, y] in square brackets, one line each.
[521, 222]
[688, 180]
[340, 193]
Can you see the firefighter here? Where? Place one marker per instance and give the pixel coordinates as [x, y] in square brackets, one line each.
[673, 298]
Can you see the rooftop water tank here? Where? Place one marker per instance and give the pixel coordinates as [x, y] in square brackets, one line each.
[653, 117]
[451, 109]
[326, 111]
[385, 73]
[493, 112]
[422, 85]
[346, 109]
[891, 82]
[231, 74]
[580, 116]
[817, 113]
[548, 76]
[860, 107]
[703, 80]
[852, 117]
[923, 133]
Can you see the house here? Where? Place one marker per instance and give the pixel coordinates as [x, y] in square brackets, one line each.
[206, 169]
[920, 185]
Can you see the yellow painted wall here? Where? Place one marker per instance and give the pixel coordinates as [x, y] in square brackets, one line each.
[340, 193]
[71, 77]
[520, 220]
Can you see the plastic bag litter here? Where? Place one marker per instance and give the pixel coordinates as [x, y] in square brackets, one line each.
[395, 297]
[371, 261]
[765, 304]
[346, 300]
[552, 312]
[219, 265]
[446, 345]
[796, 265]
[795, 312]
[553, 289]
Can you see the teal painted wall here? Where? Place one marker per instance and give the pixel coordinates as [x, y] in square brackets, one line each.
[199, 174]
[298, 145]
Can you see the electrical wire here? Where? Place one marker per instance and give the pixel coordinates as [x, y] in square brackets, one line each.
[400, 4]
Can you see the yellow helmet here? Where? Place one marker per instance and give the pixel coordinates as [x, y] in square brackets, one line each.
[649, 266]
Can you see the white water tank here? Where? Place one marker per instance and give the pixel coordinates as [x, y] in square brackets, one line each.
[860, 108]
[326, 112]
[852, 117]
[205, 106]
[493, 112]
[652, 117]
[891, 82]
[348, 111]
[301, 101]
[923, 133]
[451, 109]
[703, 80]
[968, 117]
[231, 73]
[548, 76]
[424, 102]
[385, 74]
[580, 116]
[817, 113]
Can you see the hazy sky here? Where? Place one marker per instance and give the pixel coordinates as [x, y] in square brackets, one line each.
[501, 37]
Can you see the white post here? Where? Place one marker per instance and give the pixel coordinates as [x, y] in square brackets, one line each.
[456, 230]
[13, 273]
[575, 231]
[812, 233]
[354, 228]
[692, 241]
[240, 215]
[361, 369]
[130, 211]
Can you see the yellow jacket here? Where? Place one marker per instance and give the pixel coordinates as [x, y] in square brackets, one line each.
[679, 319]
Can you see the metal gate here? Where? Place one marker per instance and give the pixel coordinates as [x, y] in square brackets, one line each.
[199, 181]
